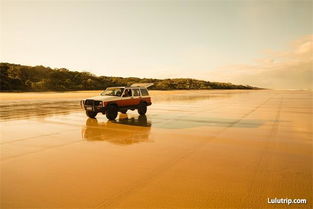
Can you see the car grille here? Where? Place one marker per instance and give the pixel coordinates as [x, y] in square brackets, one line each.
[92, 102]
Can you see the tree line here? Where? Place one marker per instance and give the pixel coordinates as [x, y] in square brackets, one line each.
[15, 77]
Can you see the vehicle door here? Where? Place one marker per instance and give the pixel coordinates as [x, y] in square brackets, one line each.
[136, 96]
[126, 99]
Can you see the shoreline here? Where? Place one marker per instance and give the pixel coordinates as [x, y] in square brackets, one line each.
[6, 96]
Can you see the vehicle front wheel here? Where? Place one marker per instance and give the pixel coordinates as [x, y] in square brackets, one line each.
[142, 109]
[111, 112]
[91, 114]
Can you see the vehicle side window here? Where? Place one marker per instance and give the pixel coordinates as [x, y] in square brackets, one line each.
[144, 92]
[136, 92]
[127, 93]
[118, 93]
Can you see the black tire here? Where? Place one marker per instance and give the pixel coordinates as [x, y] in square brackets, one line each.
[142, 109]
[91, 114]
[111, 112]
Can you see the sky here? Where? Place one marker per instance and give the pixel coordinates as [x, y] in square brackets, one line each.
[254, 42]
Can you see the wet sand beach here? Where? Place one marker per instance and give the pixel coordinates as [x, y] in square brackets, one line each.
[193, 149]
[10, 96]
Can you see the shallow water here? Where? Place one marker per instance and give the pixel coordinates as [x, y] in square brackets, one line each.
[204, 149]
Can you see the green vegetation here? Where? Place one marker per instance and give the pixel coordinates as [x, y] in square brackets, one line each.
[14, 77]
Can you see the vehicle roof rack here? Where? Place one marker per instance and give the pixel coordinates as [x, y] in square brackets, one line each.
[146, 85]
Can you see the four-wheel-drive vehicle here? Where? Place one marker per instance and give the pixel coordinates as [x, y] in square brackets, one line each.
[118, 99]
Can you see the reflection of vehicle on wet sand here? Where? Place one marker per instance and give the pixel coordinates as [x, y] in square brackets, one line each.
[125, 130]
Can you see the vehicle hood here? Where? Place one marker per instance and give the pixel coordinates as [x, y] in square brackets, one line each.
[104, 98]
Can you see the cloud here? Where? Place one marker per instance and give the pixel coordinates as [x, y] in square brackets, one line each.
[287, 69]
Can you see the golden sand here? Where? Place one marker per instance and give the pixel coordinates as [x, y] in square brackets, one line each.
[202, 149]
[65, 95]
[4, 96]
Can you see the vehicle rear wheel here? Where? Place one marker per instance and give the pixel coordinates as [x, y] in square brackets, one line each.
[142, 109]
[111, 112]
[91, 114]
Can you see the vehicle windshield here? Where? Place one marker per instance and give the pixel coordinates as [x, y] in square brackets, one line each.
[113, 92]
